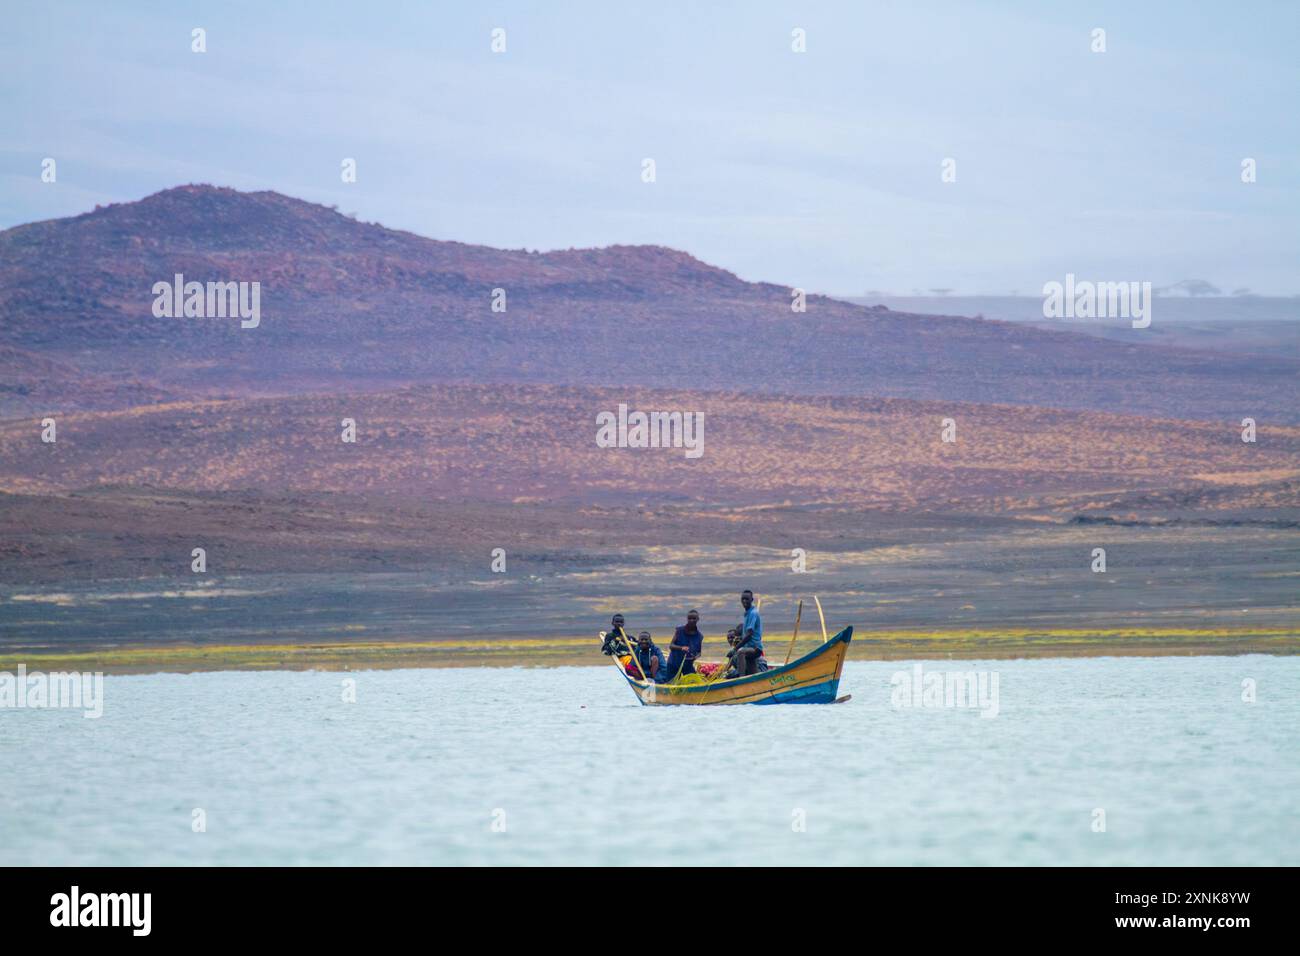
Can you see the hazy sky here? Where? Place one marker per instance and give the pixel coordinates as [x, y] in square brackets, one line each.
[819, 170]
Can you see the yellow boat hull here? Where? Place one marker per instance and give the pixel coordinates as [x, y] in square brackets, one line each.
[812, 679]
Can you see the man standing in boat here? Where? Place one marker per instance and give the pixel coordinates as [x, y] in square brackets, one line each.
[686, 645]
[744, 656]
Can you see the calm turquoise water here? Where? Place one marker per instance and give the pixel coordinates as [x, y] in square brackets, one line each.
[414, 770]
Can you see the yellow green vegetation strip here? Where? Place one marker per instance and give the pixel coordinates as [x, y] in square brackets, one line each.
[560, 651]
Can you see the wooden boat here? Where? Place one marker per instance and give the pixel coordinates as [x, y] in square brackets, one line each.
[812, 679]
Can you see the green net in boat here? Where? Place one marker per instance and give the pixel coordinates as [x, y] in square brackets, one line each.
[688, 679]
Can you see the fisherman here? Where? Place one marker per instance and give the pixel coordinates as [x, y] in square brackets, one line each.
[650, 658]
[685, 648]
[749, 640]
[615, 640]
[733, 638]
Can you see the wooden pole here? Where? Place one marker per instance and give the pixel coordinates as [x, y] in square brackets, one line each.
[632, 651]
[823, 617]
[790, 650]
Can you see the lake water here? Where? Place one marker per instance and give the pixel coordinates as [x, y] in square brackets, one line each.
[420, 767]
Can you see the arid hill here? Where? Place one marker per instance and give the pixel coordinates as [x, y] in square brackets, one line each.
[349, 306]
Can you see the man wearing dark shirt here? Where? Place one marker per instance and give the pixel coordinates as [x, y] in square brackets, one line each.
[686, 645]
[616, 640]
[650, 658]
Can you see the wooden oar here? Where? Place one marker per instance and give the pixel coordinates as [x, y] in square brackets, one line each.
[613, 658]
[632, 650]
[823, 617]
[798, 614]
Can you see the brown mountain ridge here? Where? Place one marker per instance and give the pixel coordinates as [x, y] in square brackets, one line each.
[354, 306]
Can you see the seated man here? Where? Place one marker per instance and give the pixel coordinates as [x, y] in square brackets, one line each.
[685, 648]
[650, 658]
[615, 640]
[749, 640]
[760, 661]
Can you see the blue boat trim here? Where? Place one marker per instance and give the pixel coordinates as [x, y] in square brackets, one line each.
[823, 693]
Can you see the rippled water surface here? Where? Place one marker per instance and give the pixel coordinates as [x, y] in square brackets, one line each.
[423, 764]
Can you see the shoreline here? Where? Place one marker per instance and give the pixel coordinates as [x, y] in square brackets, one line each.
[918, 644]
